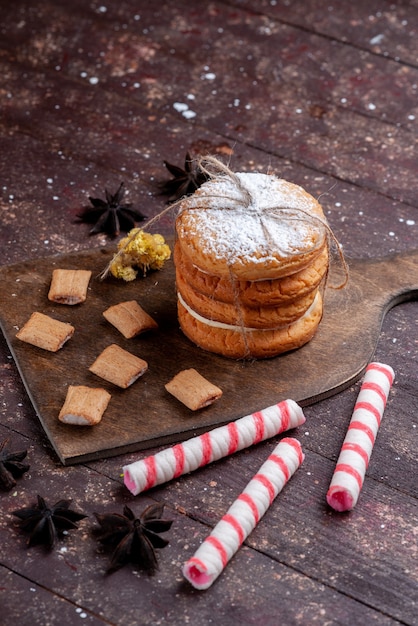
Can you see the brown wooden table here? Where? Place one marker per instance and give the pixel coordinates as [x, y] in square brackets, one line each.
[323, 94]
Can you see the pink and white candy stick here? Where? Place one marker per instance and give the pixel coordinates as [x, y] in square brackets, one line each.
[243, 515]
[357, 447]
[211, 446]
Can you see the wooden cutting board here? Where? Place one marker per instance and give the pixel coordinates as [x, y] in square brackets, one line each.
[145, 415]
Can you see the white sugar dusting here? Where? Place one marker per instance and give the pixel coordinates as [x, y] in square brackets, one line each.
[261, 231]
[183, 108]
[180, 106]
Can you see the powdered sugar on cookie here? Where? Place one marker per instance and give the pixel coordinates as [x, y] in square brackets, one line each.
[274, 220]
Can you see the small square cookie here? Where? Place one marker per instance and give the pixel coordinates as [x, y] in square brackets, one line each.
[118, 366]
[84, 406]
[45, 332]
[193, 390]
[69, 286]
[129, 318]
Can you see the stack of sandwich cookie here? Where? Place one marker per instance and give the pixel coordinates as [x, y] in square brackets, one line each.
[251, 253]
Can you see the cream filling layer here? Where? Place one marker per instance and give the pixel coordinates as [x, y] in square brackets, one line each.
[237, 327]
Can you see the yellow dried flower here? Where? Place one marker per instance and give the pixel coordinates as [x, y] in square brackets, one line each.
[139, 252]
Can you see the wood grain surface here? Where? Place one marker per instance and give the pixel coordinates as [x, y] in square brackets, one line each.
[323, 94]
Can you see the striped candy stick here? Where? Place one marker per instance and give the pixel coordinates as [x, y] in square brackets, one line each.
[211, 446]
[357, 447]
[241, 518]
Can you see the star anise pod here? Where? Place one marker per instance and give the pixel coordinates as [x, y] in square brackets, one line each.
[111, 216]
[133, 539]
[11, 466]
[45, 524]
[185, 181]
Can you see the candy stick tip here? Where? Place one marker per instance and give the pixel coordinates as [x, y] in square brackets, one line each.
[196, 576]
[294, 406]
[340, 499]
[129, 482]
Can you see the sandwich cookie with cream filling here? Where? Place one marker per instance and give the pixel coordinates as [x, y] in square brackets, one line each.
[250, 254]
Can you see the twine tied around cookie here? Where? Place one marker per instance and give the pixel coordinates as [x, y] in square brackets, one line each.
[242, 198]
[216, 170]
[235, 195]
